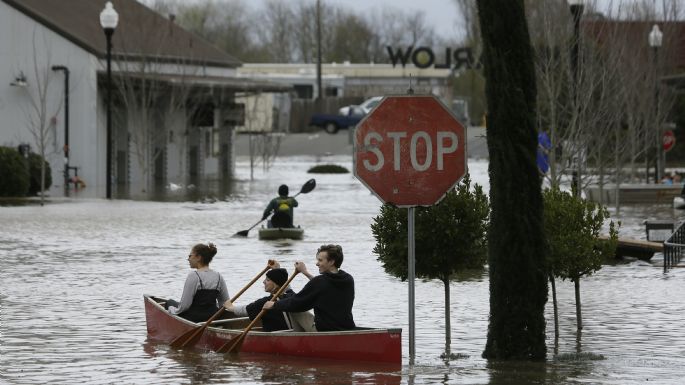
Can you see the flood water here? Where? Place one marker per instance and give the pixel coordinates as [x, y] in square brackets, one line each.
[74, 273]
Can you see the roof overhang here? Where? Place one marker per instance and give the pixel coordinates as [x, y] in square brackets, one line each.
[675, 81]
[231, 84]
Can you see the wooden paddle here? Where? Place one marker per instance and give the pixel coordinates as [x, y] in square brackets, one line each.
[234, 343]
[191, 336]
[307, 187]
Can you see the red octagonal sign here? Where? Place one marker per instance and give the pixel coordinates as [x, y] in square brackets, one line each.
[410, 150]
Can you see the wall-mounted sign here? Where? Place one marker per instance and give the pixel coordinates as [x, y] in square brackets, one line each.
[424, 57]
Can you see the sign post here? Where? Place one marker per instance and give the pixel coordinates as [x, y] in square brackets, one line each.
[668, 140]
[410, 151]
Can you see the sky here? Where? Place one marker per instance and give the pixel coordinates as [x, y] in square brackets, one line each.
[442, 14]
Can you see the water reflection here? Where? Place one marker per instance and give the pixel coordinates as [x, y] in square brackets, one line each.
[203, 367]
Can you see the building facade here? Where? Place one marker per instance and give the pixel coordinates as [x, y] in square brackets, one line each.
[173, 97]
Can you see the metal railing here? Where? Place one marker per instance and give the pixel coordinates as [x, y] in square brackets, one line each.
[674, 247]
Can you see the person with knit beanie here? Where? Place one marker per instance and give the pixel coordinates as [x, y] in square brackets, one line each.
[271, 320]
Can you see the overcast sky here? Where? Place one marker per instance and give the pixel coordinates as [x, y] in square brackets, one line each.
[442, 14]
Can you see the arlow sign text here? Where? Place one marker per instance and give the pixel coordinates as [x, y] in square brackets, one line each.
[424, 57]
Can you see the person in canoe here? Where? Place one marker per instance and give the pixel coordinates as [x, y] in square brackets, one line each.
[272, 320]
[330, 294]
[204, 290]
[282, 208]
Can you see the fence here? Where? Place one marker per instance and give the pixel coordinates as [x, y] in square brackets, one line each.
[674, 247]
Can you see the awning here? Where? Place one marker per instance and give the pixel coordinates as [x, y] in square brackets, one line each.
[232, 84]
[675, 81]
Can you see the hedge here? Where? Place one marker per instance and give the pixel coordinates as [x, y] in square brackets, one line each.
[328, 169]
[14, 175]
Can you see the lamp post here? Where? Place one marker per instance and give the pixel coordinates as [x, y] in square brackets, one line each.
[319, 87]
[109, 18]
[66, 123]
[576, 7]
[655, 38]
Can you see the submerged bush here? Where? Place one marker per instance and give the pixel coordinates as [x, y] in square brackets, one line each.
[14, 175]
[328, 169]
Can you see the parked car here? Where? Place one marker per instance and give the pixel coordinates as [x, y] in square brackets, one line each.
[348, 116]
[364, 108]
[460, 107]
[332, 123]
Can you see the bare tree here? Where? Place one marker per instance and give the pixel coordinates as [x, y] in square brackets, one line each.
[42, 110]
[152, 92]
[278, 21]
[263, 139]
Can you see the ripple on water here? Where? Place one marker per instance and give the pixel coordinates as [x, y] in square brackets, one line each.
[74, 273]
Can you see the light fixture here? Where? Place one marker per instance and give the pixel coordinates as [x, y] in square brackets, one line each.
[20, 80]
[109, 18]
[655, 37]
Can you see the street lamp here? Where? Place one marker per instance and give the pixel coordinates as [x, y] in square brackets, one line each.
[66, 123]
[319, 87]
[109, 18]
[577, 12]
[654, 38]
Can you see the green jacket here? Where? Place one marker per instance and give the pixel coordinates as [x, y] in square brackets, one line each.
[284, 204]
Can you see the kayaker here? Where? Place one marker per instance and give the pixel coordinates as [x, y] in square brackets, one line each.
[204, 290]
[282, 208]
[271, 320]
[330, 294]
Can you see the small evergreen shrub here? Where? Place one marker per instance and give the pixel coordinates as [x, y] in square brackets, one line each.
[34, 172]
[328, 169]
[14, 175]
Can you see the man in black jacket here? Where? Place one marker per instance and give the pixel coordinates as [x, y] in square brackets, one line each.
[330, 294]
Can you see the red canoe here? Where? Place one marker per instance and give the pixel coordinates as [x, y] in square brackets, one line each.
[361, 344]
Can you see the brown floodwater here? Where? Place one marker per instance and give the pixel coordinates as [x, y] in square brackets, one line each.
[74, 273]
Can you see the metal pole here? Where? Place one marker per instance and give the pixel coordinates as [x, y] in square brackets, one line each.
[66, 123]
[319, 86]
[659, 143]
[66, 127]
[577, 13]
[108, 177]
[412, 273]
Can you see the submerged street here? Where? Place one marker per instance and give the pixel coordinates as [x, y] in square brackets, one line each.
[75, 271]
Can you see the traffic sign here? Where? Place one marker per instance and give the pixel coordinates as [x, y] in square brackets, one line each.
[668, 140]
[410, 150]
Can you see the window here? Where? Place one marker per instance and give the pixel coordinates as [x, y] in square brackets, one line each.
[304, 91]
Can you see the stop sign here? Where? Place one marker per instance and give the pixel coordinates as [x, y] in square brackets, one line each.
[668, 140]
[410, 150]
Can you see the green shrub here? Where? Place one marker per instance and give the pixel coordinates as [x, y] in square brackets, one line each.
[34, 171]
[14, 176]
[328, 169]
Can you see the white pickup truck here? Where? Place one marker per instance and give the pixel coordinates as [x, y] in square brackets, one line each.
[361, 109]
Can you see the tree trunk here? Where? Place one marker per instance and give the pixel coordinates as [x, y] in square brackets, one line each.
[252, 155]
[516, 254]
[42, 178]
[556, 309]
[579, 318]
[448, 324]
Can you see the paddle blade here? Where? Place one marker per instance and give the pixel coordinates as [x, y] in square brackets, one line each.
[241, 233]
[188, 338]
[308, 186]
[233, 345]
